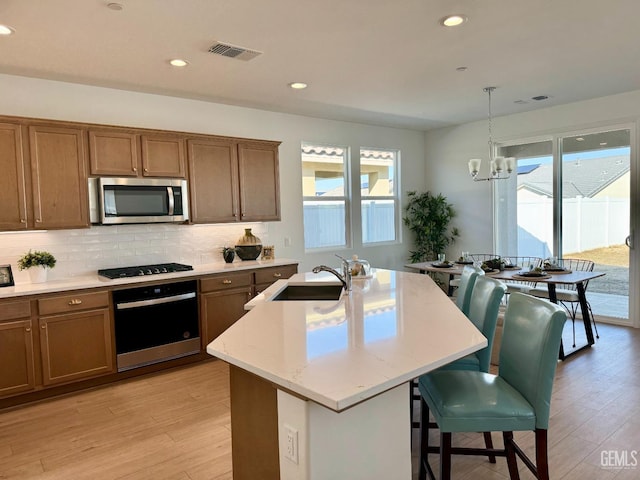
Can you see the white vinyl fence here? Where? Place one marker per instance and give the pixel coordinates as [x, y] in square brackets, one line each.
[588, 223]
[324, 223]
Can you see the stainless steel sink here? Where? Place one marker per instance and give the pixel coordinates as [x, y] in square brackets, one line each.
[309, 292]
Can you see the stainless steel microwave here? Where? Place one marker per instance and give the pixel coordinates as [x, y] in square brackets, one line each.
[115, 201]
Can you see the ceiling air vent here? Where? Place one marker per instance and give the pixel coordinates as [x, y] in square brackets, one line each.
[233, 51]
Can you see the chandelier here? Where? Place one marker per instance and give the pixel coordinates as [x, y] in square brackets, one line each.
[497, 165]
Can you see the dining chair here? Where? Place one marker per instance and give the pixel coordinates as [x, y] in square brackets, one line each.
[517, 399]
[524, 263]
[568, 295]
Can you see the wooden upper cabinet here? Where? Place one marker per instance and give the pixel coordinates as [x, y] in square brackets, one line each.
[163, 156]
[259, 181]
[213, 180]
[58, 177]
[114, 153]
[13, 197]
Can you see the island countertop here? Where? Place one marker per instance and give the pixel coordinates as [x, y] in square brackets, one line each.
[390, 329]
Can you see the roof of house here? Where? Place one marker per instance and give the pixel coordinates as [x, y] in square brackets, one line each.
[581, 178]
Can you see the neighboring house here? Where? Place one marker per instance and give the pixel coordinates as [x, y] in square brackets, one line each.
[586, 178]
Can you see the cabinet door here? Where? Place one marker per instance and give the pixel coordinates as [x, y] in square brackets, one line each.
[113, 152]
[13, 214]
[75, 346]
[213, 181]
[220, 310]
[259, 182]
[16, 357]
[59, 178]
[162, 156]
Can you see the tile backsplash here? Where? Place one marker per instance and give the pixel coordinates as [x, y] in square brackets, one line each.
[84, 251]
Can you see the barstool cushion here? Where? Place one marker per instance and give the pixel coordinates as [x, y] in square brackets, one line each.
[466, 401]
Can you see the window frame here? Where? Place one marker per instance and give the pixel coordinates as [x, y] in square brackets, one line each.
[395, 198]
[346, 198]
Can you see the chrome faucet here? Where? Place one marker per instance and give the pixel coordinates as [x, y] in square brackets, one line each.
[345, 278]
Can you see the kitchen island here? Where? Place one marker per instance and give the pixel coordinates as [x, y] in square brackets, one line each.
[320, 389]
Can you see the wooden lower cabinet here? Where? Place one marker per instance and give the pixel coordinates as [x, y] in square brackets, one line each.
[75, 337]
[222, 300]
[75, 346]
[17, 374]
[265, 277]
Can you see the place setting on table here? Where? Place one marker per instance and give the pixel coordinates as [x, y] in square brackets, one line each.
[549, 267]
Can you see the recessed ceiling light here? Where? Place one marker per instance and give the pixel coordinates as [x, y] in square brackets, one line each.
[6, 30]
[298, 85]
[520, 102]
[115, 6]
[602, 144]
[579, 139]
[453, 20]
[178, 62]
[461, 69]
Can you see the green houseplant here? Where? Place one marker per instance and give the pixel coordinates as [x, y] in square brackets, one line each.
[37, 259]
[429, 216]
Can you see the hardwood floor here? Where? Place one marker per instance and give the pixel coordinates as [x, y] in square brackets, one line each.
[175, 425]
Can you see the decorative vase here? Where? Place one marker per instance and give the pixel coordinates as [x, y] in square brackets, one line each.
[38, 274]
[228, 255]
[248, 246]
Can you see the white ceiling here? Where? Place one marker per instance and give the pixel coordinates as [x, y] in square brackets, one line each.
[385, 62]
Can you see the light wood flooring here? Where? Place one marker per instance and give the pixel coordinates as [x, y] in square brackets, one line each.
[175, 425]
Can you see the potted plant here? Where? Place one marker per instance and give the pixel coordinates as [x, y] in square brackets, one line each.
[228, 253]
[37, 263]
[428, 216]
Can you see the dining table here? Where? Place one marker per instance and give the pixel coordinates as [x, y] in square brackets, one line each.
[518, 273]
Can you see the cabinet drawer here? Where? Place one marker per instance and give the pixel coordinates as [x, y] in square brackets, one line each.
[73, 303]
[271, 274]
[14, 310]
[226, 281]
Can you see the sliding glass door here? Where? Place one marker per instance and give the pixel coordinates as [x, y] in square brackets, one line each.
[571, 198]
[596, 202]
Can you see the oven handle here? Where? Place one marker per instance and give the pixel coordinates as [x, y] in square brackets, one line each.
[155, 301]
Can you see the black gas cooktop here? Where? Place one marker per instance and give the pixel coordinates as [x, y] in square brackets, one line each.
[144, 270]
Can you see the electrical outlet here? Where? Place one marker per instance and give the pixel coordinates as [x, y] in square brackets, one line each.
[291, 447]
[287, 241]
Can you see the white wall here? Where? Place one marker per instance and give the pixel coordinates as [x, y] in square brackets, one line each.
[37, 98]
[449, 149]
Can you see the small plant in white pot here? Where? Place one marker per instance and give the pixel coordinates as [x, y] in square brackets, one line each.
[37, 263]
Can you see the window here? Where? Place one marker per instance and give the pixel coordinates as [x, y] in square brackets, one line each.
[325, 191]
[378, 192]
[331, 211]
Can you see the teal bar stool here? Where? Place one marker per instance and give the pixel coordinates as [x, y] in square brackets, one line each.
[483, 309]
[484, 296]
[465, 287]
[466, 284]
[518, 399]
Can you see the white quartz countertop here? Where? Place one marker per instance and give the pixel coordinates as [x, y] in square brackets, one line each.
[96, 281]
[390, 329]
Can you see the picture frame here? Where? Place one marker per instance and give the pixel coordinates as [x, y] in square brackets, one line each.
[6, 276]
[268, 252]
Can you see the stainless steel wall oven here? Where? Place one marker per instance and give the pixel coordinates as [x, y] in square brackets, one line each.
[156, 323]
